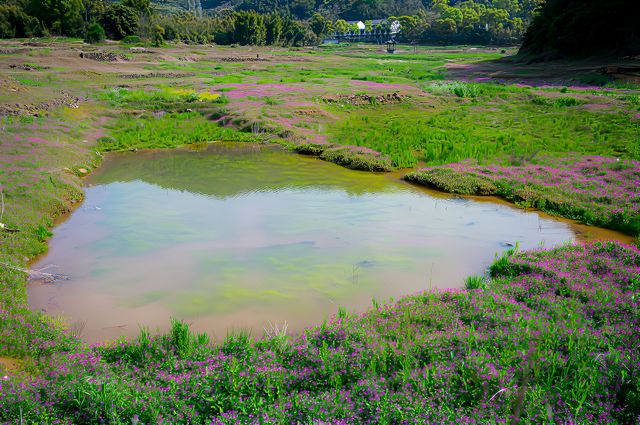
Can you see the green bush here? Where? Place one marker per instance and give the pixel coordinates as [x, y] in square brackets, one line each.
[566, 101]
[131, 39]
[476, 282]
[95, 33]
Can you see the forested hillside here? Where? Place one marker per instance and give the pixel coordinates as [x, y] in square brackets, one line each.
[301, 22]
[584, 28]
[370, 9]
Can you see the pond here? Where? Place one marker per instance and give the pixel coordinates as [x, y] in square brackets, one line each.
[237, 236]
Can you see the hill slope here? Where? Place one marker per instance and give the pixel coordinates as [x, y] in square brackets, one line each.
[585, 28]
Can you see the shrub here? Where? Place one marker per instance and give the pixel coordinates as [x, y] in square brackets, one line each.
[452, 181]
[131, 39]
[95, 33]
[356, 160]
[476, 282]
[566, 101]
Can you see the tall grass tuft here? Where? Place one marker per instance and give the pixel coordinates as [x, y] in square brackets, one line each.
[476, 282]
[180, 337]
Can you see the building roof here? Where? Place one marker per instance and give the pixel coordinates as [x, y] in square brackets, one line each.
[374, 22]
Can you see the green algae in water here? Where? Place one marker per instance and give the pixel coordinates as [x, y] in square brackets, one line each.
[235, 235]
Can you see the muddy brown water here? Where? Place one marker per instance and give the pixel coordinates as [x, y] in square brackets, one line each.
[237, 236]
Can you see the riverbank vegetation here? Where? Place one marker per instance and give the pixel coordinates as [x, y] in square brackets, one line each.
[552, 339]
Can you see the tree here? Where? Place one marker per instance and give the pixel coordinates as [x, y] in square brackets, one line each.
[584, 28]
[454, 14]
[274, 26]
[368, 25]
[250, 28]
[301, 8]
[410, 27]
[320, 25]
[95, 33]
[61, 16]
[158, 36]
[14, 22]
[120, 21]
[439, 5]
[341, 26]
[296, 34]
[94, 10]
[143, 7]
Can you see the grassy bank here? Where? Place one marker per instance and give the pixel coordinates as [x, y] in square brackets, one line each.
[552, 339]
[599, 191]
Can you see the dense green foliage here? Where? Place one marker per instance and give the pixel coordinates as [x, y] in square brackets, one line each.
[585, 27]
[272, 22]
[15, 22]
[59, 16]
[120, 21]
[95, 33]
[363, 9]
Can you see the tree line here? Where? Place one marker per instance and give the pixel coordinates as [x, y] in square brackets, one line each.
[271, 22]
[585, 28]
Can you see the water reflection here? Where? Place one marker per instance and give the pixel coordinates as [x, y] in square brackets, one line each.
[237, 235]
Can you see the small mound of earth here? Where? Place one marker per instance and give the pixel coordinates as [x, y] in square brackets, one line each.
[13, 51]
[310, 113]
[103, 56]
[37, 110]
[242, 59]
[27, 67]
[155, 75]
[366, 99]
[9, 86]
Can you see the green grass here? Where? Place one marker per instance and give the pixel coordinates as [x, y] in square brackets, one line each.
[169, 131]
[163, 98]
[28, 82]
[509, 130]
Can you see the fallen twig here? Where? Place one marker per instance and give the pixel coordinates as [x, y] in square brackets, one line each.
[38, 274]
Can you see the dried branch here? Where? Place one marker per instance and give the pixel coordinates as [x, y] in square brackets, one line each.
[38, 274]
[261, 133]
[275, 330]
[78, 328]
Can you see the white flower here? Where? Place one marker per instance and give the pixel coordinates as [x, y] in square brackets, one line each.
[2, 226]
[4, 378]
